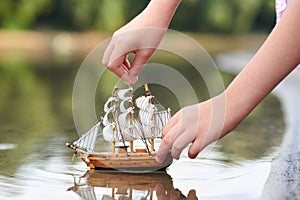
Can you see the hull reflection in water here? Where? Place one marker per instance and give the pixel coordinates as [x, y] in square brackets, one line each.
[110, 185]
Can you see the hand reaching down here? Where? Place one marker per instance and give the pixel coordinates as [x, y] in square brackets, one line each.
[141, 42]
[198, 125]
[141, 36]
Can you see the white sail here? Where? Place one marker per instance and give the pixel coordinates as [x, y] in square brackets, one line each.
[110, 130]
[122, 94]
[150, 130]
[110, 111]
[111, 134]
[110, 100]
[122, 104]
[147, 118]
[130, 128]
[161, 118]
[119, 123]
[144, 103]
[87, 141]
[152, 120]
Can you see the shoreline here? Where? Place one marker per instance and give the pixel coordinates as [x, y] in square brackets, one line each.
[284, 177]
[38, 46]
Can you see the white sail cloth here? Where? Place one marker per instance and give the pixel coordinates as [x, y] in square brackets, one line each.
[152, 120]
[122, 124]
[88, 140]
[121, 127]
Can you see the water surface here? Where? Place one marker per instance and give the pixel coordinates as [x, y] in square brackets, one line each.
[36, 122]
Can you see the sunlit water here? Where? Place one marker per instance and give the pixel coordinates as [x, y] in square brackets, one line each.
[36, 122]
[49, 174]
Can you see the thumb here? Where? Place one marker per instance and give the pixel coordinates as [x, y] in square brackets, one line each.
[140, 59]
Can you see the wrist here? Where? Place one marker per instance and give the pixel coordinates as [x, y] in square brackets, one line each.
[238, 105]
[168, 6]
[224, 114]
[166, 2]
[162, 11]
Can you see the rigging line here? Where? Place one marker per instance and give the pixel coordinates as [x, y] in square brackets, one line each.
[160, 120]
[122, 137]
[118, 124]
[147, 147]
[100, 132]
[156, 101]
[144, 140]
[148, 93]
[85, 134]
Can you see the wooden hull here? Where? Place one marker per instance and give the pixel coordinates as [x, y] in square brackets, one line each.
[131, 162]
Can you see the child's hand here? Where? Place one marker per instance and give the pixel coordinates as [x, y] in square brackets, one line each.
[199, 124]
[132, 38]
[141, 36]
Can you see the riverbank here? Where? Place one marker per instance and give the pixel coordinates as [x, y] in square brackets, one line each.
[39, 46]
[284, 179]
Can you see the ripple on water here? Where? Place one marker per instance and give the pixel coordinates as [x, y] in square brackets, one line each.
[53, 169]
[42, 176]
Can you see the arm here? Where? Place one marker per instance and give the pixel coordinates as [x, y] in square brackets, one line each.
[278, 56]
[140, 36]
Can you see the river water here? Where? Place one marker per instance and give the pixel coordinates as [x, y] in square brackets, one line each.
[36, 121]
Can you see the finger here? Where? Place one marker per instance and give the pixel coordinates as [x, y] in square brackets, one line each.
[115, 65]
[119, 54]
[128, 79]
[127, 64]
[166, 144]
[195, 148]
[134, 72]
[140, 59]
[181, 142]
[107, 53]
[162, 152]
[171, 123]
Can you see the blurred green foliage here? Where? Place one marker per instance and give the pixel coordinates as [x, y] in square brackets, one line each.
[33, 108]
[221, 16]
[225, 16]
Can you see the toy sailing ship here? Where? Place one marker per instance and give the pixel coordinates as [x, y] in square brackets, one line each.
[123, 124]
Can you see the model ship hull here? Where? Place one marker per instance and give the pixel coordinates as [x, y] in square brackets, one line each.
[132, 162]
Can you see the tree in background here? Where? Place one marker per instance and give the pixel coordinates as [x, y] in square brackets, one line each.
[21, 14]
[218, 16]
[225, 16]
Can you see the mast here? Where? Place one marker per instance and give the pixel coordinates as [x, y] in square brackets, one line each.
[114, 119]
[148, 93]
[131, 118]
